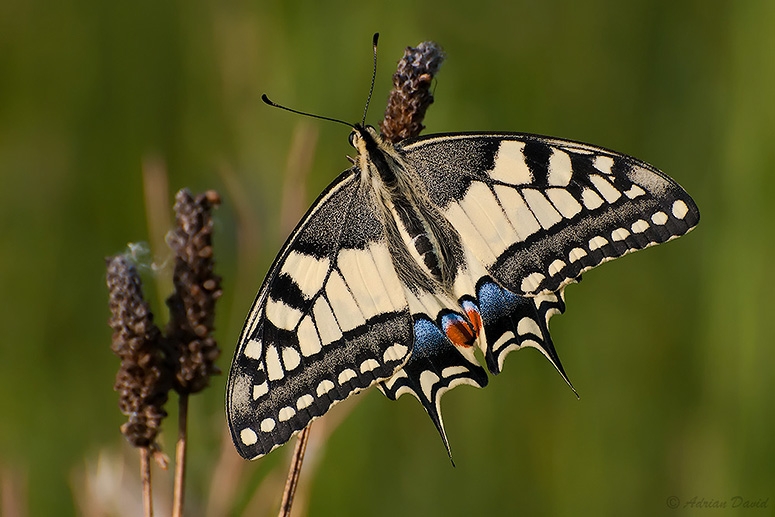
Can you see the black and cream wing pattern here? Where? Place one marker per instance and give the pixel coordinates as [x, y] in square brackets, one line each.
[426, 251]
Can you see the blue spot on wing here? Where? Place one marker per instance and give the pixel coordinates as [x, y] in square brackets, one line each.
[429, 341]
[512, 321]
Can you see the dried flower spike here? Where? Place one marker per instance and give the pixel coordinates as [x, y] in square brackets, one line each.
[410, 97]
[197, 287]
[144, 377]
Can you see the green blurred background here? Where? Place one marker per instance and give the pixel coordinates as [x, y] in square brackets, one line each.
[671, 349]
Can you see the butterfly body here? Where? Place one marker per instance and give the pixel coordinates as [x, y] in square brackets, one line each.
[423, 252]
[414, 230]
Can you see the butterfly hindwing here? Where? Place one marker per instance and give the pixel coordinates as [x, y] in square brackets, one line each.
[330, 320]
[436, 366]
[499, 320]
[512, 322]
[537, 212]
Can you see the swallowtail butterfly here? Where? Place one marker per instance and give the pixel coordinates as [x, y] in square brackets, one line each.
[424, 251]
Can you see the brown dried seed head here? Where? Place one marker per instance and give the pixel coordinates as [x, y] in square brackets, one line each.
[144, 376]
[411, 97]
[197, 287]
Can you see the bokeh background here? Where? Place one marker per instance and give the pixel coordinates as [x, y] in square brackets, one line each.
[102, 104]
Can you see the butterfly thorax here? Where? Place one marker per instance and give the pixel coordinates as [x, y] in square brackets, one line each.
[425, 249]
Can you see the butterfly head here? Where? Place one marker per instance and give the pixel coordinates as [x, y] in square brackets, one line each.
[364, 138]
[375, 154]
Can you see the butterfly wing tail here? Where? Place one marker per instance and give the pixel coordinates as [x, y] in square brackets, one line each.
[435, 367]
[512, 322]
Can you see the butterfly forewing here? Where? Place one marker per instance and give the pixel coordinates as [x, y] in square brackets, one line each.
[330, 320]
[537, 212]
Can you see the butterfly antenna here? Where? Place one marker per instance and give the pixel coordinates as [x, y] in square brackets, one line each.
[312, 115]
[374, 40]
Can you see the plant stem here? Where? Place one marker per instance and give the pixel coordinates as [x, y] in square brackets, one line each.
[294, 471]
[180, 457]
[145, 477]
